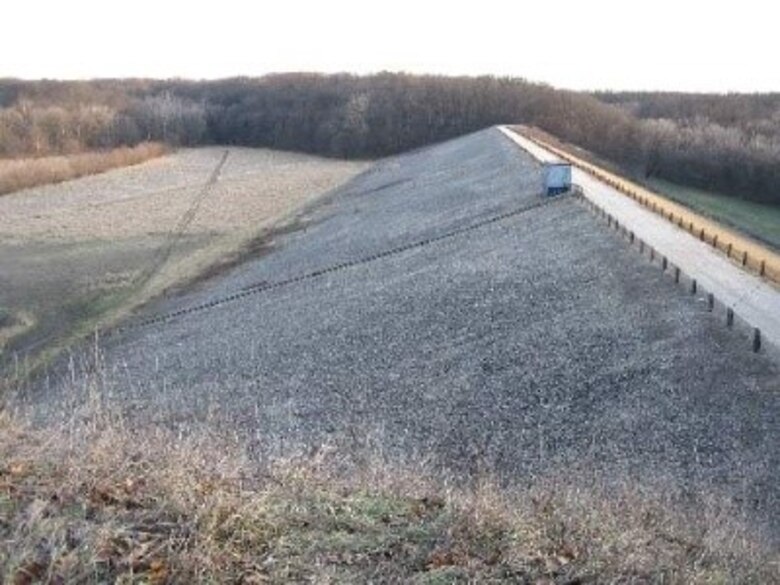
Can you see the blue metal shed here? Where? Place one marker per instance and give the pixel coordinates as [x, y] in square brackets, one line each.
[556, 177]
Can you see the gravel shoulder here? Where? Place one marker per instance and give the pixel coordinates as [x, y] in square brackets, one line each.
[531, 345]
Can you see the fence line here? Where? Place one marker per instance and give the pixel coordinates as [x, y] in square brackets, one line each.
[741, 250]
[678, 274]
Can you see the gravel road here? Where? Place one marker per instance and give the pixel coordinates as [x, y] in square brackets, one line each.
[753, 298]
[523, 346]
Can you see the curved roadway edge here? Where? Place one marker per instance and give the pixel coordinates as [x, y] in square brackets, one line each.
[755, 301]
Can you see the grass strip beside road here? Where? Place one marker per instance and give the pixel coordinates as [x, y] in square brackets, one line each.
[756, 219]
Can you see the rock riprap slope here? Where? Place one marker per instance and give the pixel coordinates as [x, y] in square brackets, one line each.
[523, 346]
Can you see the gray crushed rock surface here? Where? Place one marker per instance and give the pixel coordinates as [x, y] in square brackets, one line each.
[537, 342]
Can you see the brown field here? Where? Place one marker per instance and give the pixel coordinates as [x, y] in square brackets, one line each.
[16, 174]
[83, 251]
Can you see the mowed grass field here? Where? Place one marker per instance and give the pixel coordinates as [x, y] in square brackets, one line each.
[87, 251]
[755, 219]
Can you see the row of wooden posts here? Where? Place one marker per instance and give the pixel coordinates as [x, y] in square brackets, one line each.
[677, 272]
[754, 263]
[691, 228]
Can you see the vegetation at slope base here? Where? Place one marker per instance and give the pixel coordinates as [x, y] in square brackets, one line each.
[94, 502]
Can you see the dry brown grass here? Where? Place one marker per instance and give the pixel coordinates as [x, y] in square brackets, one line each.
[95, 501]
[12, 324]
[253, 186]
[17, 174]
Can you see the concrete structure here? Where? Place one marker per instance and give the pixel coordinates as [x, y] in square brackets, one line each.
[556, 177]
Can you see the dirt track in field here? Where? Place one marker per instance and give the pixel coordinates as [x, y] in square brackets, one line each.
[253, 186]
[72, 252]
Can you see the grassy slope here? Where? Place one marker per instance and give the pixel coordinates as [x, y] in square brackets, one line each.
[96, 502]
[756, 219]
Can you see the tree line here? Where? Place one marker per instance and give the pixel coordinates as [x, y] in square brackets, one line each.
[729, 144]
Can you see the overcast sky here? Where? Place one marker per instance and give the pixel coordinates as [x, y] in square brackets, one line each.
[686, 45]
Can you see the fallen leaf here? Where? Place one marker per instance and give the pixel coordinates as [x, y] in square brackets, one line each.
[158, 572]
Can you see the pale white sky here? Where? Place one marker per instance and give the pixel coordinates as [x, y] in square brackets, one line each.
[685, 45]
